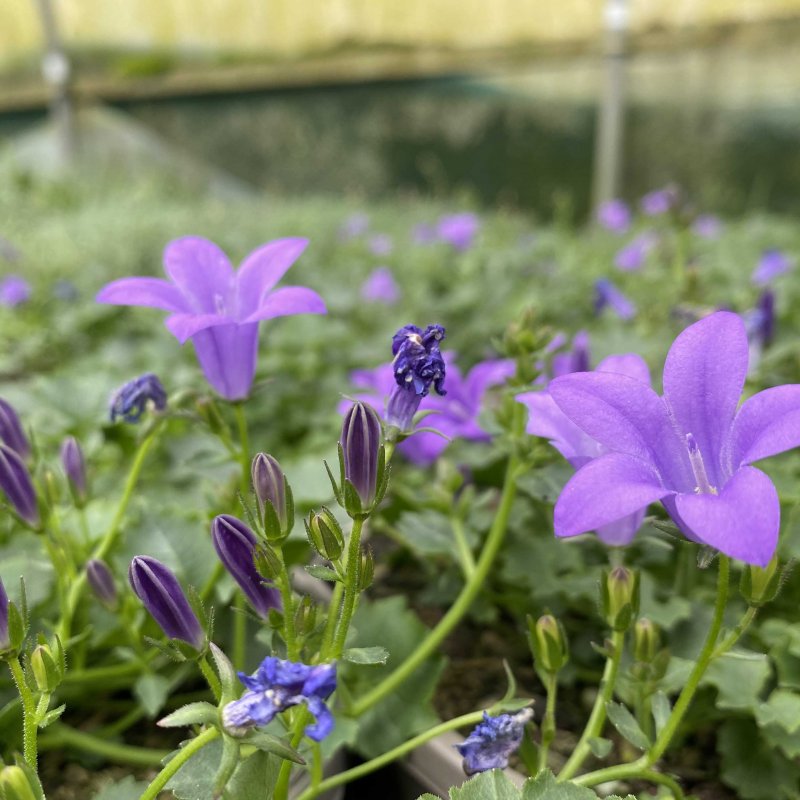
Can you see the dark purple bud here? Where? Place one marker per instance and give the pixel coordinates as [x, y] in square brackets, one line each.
[235, 544]
[11, 433]
[161, 594]
[102, 581]
[74, 468]
[5, 641]
[273, 494]
[401, 407]
[16, 484]
[361, 442]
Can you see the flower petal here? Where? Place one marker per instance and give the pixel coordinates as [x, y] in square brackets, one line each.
[742, 521]
[153, 292]
[184, 326]
[227, 354]
[203, 274]
[767, 423]
[483, 376]
[630, 364]
[605, 490]
[262, 269]
[703, 380]
[287, 301]
[621, 532]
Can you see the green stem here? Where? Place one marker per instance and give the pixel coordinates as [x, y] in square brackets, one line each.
[61, 735]
[28, 712]
[213, 580]
[298, 726]
[239, 631]
[113, 672]
[464, 600]
[629, 771]
[398, 752]
[350, 587]
[464, 553]
[330, 622]
[244, 445]
[594, 726]
[734, 636]
[549, 720]
[179, 759]
[110, 537]
[284, 584]
[211, 678]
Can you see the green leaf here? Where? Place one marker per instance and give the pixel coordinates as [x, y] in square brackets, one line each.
[366, 655]
[255, 778]
[661, 709]
[200, 713]
[51, 716]
[491, 785]
[126, 789]
[626, 724]
[268, 743]
[545, 787]
[739, 677]
[781, 709]
[228, 679]
[600, 747]
[195, 779]
[323, 573]
[151, 691]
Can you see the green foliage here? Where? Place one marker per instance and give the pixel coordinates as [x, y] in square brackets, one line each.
[126, 789]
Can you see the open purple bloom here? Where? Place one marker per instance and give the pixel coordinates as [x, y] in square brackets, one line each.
[632, 257]
[277, 685]
[133, 399]
[492, 742]
[459, 230]
[614, 216]
[772, 264]
[692, 449]
[14, 291]
[659, 201]
[380, 287]
[11, 433]
[218, 308]
[707, 226]
[607, 295]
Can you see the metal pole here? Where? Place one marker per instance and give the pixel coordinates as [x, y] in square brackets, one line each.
[56, 73]
[611, 111]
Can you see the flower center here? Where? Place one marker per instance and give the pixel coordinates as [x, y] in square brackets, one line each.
[702, 484]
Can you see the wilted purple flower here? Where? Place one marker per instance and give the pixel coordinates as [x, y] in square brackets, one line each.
[14, 291]
[101, 581]
[424, 233]
[361, 441]
[606, 294]
[11, 433]
[74, 467]
[380, 244]
[614, 215]
[217, 308]
[133, 399]
[772, 264]
[380, 287]
[354, 226]
[459, 230]
[632, 257]
[277, 685]
[161, 594]
[546, 419]
[5, 640]
[690, 449]
[492, 742]
[16, 484]
[660, 201]
[235, 544]
[707, 226]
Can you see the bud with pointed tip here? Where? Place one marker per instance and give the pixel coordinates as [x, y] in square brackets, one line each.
[548, 643]
[102, 582]
[274, 497]
[366, 570]
[325, 534]
[268, 562]
[11, 433]
[620, 597]
[75, 469]
[362, 456]
[16, 484]
[646, 640]
[19, 783]
[47, 666]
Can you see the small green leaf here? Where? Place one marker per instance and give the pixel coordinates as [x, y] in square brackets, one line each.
[200, 713]
[227, 674]
[491, 785]
[322, 573]
[151, 691]
[268, 743]
[366, 655]
[782, 709]
[600, 747]
[661, 710]
[126, 789]
[626, 724]
[51, 716]
[545, 787]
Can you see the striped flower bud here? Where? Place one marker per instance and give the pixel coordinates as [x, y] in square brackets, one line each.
[19, 783]
[11, 433]
[16, 484]
[362, 460]
[274, 497]
[75, 469]
[102, 582]
[325, 534]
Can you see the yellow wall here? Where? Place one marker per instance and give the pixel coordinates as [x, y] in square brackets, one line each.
[295, 26]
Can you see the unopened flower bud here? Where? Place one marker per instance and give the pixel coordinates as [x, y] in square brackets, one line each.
[5, 639]
[305, 616]
[274, 496]
[646, 640]
[325, 534]
[161, 594]
[75, 469]
[548, 643]
[758, 585]
[137, 396]
[620, 595]
[18, 784]
[13, 625]
[16, 484]
[11, 433]
[366, 570]
[362, 459]
[47, 667]
[102, 582]
[268, 562]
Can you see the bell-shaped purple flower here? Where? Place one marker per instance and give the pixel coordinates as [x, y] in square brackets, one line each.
[5, 639]
[161, 594]
[459, 230]
[102, 582]
[235, 544]
[492, 742]
[16, 484]
[614, 216]
[277, 685]
[130, 401]
[14, 291]
[607, 295]
[218, 308]
[361, 442]
[772, 264]
[380, 287]
[11, 433]
[74, 468]
[659, 201]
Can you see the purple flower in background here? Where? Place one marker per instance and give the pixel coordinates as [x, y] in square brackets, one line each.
[772, 264]
[354, 226]
[11, 433]
[546, 419]
[707, 226]
[492, 742]
[5, 640]
[632, 257]
[220, 309]
[277, 685]
[14, 291]
[659, 202]
[380, 244]
[424, 233]
[574, 360]
[458, 230]
[691, 448]
[614, 216]
[759, 322]
[17, 486]
[606, 294]
[133, 399]
[380, 287]
[101, 582]
[74, 468]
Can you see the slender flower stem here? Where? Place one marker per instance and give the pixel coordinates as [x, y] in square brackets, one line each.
[28, 712]
[350, 587]
[110, 537]
[549, 720]
[61, 735]
[734, 636]
[244, 445]
[330, 622]
[179, 759]
[630, 771]
[464, 553]
[299, 721]
[211, 678]
[392, 755]
[213, 580]
[284, 585]
[594, 726]
[239, 631]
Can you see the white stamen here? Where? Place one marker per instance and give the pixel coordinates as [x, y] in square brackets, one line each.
[702, 484]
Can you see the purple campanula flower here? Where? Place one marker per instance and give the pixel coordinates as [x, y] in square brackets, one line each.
[11, 433]
[220, 309]
[74, 468]
[101, 582]
[161, 594]
[614, 216]
[691, 449]
[759, 322]
[14, 291]
[380, 244]
[632, 257]
[354, 226]
[574, 360]
[459, 230]
[606, 294]
[492, 742]
[277, 685]
[235, 544]
[380, 287]
[546, 419]
[772, 264]
[271, 487]
[5, 640]
[707, 226]
[16, 484]
[660, 201]
[361, 441]
[133, 399]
